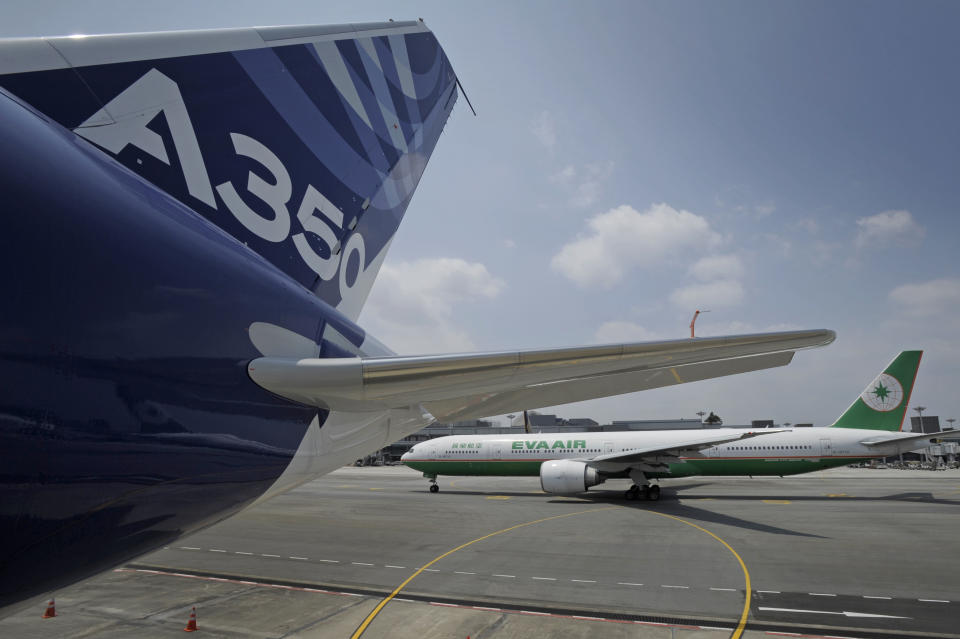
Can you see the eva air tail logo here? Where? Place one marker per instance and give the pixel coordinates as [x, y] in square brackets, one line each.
[884, 394]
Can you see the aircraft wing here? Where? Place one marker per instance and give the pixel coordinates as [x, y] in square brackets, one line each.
[462, 386]
[692, 444]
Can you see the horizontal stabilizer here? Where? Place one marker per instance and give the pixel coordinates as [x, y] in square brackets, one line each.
[916, 438]
[480, 384]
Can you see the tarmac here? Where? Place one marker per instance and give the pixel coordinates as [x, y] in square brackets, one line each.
[370, 552]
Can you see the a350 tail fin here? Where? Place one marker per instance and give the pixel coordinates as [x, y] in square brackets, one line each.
[883, 403]
[305, 143]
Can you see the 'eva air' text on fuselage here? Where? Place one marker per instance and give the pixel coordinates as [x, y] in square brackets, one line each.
[531, 445]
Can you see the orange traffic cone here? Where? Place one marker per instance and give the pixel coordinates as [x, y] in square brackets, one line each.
[51, 610]
[192, 624]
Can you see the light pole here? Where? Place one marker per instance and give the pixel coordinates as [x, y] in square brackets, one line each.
[919, 410]
[950, 421]
[700, 414]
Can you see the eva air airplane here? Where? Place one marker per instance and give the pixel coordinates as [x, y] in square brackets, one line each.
[572, 462]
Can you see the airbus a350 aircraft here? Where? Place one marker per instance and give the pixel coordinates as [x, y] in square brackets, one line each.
[572, 462]
[192, 222]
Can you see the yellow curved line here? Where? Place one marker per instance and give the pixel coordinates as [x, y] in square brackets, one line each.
[746, 574]
[376, 611]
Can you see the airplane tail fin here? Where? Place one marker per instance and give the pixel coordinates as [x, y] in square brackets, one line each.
[304, 142]
[883, 403]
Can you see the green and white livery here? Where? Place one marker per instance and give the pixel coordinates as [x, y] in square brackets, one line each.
[572, 462]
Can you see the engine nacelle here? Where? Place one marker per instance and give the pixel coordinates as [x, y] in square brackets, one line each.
[565, 476]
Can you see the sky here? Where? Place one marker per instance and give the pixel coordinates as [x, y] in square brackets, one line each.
[783, 165]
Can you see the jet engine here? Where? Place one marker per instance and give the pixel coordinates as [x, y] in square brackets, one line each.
[565, 476]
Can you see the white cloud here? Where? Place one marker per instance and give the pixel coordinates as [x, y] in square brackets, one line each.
[623, 238]
[564, 175]
[411, 307]
[583, 185]
[544, 128]
[587, 191]
[708, 295]
[621, 331]
[763, 210]
[928, 298]
[888, 227]
[809, 225]
[508, 243]
[715, 267]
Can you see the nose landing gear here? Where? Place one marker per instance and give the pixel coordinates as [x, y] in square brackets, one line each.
[434, 488]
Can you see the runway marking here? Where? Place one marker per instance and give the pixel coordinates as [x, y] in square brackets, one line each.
[845, 613]
[587, 618]
[837, 495]
[360, 563]
[771, 592]
[776, 501]
[460, 572]
[300, 558]
[584, 581]
[725, 589]
[376, 611]
[329, 561]
[188, 548]
[240, 552]
[875, 597]
[666, 586]
[508, 576]
[430, 570]
[545, 578]
[389, 566]
[498, 497]
[741, 625]
[934, 600]
[821, 594]
[217, 550]
[263, 554]
[627, 583]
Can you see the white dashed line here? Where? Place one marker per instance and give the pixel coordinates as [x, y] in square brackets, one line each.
[329, 561]
[263, 554]
[545, 578]
[584, 581]
[770, 592]
[460, 572]
[360, 563]
[725, 589]
[300, 558]
[821, 594]
[407, 600]
[389, 566]
[627, 583]
[533, 612]
[666, 586]
[872, 597]
[934, 600]
[508, 576]
[430, 570]
[588, 618]
[486, 608]
[188, 548]
[240, 552]
[217, 550]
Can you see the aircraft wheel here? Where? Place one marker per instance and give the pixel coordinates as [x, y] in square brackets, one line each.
[434, 488]
[653, 493]
[632, 493]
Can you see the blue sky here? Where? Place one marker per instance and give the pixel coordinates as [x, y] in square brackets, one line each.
[785, 165]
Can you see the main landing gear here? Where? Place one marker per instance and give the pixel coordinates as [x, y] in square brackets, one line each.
[642, 488]
[650, 492]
